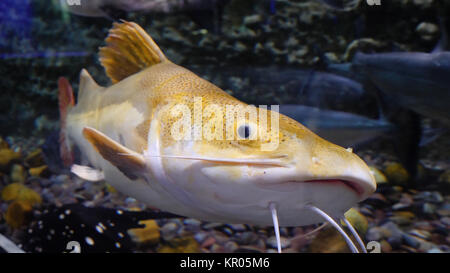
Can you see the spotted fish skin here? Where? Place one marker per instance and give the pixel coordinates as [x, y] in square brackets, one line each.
[95, 229]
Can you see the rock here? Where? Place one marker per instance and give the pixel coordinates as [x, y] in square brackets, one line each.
[400, 206]
[180, 245]
[402, 217]
[423, 225]
[272, 242]
[248, 249]
[7, 157]
[18, 173]
[429, 196]
[237, 227]
[35, 158]
[357, 220]
[246, 238]
[385, 246]
[147, 235]
[41, 171]
[200, 237]
[227, 230]
[428, 208]
[209, 226]
[427, 31]
[18, 214]
[252, 19]
[423, 234]
[417, 243]
[423, 3]
[444, 178]
[435, 250]
[395, 234]
[20, 192]
[445, 221]
[376, 234]
[3, 144]
[328, 241]
[231, 246]
[377, 200]
[208, 242]
[192, 223]
[380, 178]
[216, 248]
[444, 210]
[396, 173]
[169, 231]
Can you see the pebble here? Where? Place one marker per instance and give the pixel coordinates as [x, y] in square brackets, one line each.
[428, 208]
[246, 238]
[35, 158]
[420, 233]
[435, 250]
[444, 211]
[395, 236]
[385, 246]
[231, 246]
[192, 222]
[216, 248]
[18, 173]
[402, 217]
[237, 227]
[208, 242]
[445, 221]
[272, 242]
[248, 249]
[400, 206]
[431, 197]
[212, 225]
[427, 31]
[252, 19]
[200, 237]
[39, 171]
[7, 156]
[228, 231]
[169, 230]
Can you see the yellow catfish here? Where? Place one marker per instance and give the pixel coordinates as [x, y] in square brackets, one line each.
[137, 135]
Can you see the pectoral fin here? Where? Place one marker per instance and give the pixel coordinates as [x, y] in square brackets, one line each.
[130, 163]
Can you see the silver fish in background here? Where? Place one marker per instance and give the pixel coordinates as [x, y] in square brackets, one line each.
[408, 84]
[308, 86]
[414, 80]
[344, 129]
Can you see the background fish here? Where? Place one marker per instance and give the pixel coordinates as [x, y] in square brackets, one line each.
[342, 128]
[407, 84]
[280, 84]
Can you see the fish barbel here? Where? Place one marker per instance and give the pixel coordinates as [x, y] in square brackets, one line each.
[128, 132]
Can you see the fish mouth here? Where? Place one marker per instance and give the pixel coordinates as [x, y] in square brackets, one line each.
[352, 185]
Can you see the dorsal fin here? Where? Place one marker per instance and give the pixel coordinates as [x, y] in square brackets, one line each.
[87, 84]
[129, 49]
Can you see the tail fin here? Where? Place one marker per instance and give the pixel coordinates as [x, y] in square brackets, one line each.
[66, 101]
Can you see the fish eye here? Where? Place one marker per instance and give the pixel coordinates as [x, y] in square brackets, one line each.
[246, 131]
